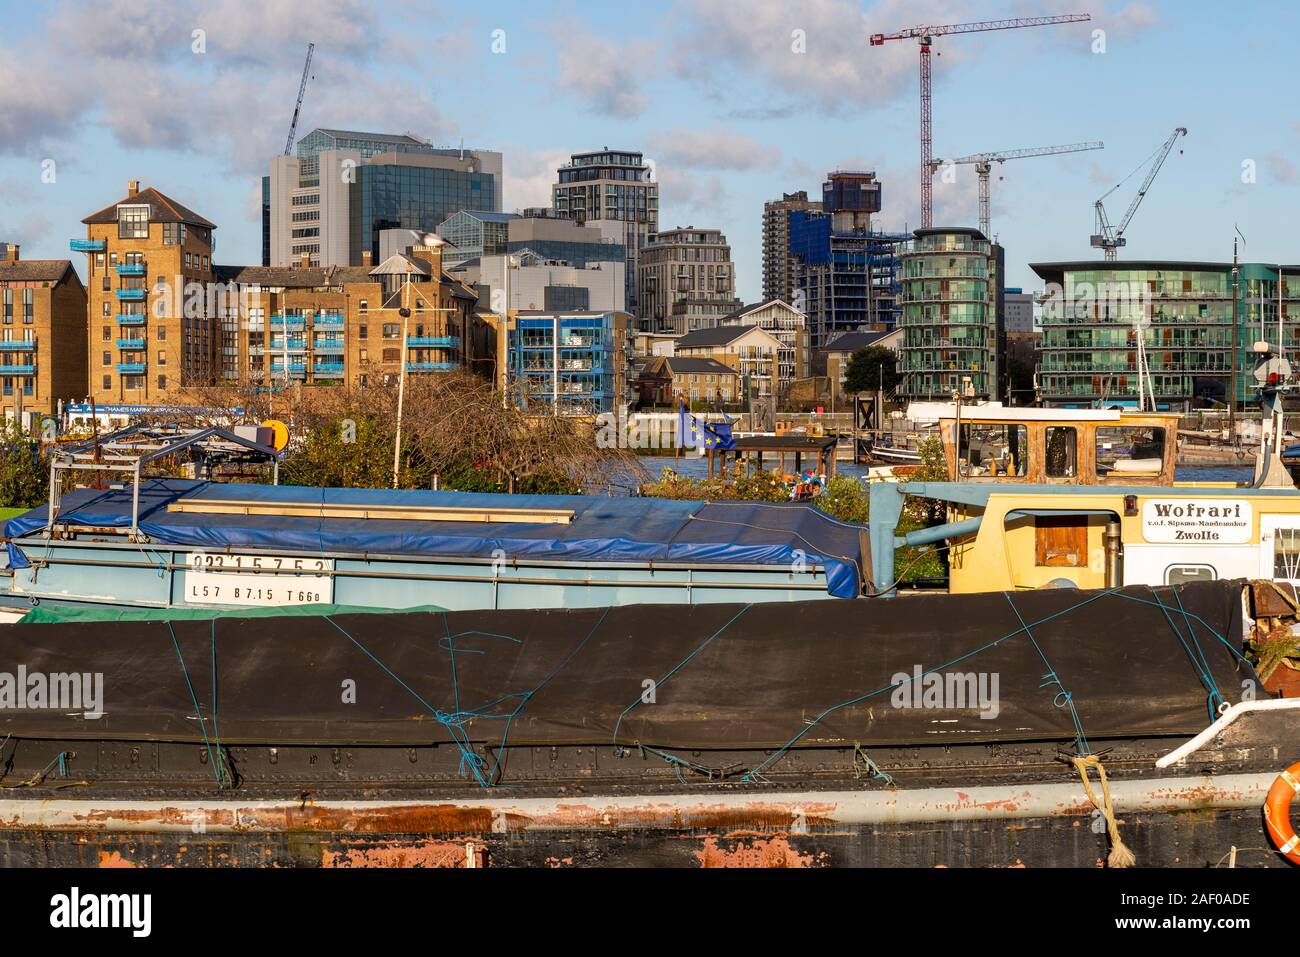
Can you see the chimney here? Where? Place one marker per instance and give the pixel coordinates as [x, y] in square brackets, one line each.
[430, 254]
[9, 252]
[305, 260]
[132, 187]
[366, 260]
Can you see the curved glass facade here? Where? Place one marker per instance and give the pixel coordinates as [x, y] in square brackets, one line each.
[948, 298]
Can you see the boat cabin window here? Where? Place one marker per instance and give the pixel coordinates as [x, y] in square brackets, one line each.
[1062, 452]
[993, 449]
[1286, 554]
[1181, 574]
[1129, 449]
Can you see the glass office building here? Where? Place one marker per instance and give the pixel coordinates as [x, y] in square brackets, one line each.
[565, 363]
[412, 197]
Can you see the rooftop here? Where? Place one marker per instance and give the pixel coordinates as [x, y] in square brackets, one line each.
[716, 336]
[162, 209]
[34, 270]
[678, 366]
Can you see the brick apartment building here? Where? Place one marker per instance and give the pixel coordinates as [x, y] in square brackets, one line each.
[42, 334]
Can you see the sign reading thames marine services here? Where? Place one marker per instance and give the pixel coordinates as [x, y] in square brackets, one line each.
[1225, 521]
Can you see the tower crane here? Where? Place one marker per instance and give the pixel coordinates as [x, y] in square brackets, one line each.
[1109, 238]
[302, 91]
[925, 37]
[983, 163]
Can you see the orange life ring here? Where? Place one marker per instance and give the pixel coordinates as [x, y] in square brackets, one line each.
[1277, 813]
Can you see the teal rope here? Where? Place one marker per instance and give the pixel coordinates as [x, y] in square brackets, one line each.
[194, 698]
[704, 644]
[216, 734]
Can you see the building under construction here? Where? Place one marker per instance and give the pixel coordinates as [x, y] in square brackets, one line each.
[847, 272]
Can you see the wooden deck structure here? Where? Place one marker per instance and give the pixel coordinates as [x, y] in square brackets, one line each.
[751, 450]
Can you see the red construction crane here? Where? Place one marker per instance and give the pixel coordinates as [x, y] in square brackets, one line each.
[925, 36]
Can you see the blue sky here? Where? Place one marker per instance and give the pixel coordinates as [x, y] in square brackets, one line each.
[713, 91]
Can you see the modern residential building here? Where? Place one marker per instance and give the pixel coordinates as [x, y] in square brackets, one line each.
[686, 264]
[611, 186]
[1093, 312]
[571, 362]
[547, 285]
[779, 267]
[951, 282]
[335, 325]
[1017, 312]
[788, 325]
[42, 335]
[845, 273]
[749, 350]
[332, 198]
[151, 314]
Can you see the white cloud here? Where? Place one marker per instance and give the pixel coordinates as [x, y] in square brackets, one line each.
[603, 74]
[528, 176]
[715, 149]
[815, 53]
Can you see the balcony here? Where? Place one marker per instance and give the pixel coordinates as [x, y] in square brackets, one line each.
[131, 269]
[292, 323]
[88, 245]
[18, 345]
[295, 345]
[432, 342]
[295, 368]
[131, 295]
[17, 370]
[328, 370]
[328, 319]
[131, 368]
[130, 343]
[131, 319]
[432, 366]
[328, 346]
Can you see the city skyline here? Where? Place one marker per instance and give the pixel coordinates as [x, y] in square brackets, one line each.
[723, 104]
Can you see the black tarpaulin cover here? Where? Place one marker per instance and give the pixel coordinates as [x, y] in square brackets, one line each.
[1131, 662]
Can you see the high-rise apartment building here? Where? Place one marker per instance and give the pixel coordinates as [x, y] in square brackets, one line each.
[845, 273]
[778, 265]
[615, 186]
[151, 321]
[332, 199]
[42, 335]
[951, 287]
[686, 280]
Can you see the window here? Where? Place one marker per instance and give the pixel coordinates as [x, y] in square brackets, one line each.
[363, 355]
[1181, 574]
[108, 382]
[108, 333]
[361, 330]
[1061, 455]
[392, 330]
[362, 307]
[133, 222]
[162, 357]
[392, 355]
[162, 333]
[108, 308]
[108, 358]
[106, 285]
[162, 382]
[1127, 449]
[988, 450]
[173, 234]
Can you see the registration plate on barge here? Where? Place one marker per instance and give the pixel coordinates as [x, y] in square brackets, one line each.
[219, 578]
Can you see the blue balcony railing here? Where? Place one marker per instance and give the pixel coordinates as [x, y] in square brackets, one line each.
[295, 368]
[295, 345]
[432, 342]
[130, 343]
[286, 322]
[328, 369]
[88, 245]
[328, 319]
[131, 368]
[431, 366]
[18, 345]
[17, 370]
[327, 346]
[131, 295]
[131, 269]
[131, 319]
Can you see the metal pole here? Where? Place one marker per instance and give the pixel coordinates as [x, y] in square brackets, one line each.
[401, 380]
[1232, 379]
[504, 332]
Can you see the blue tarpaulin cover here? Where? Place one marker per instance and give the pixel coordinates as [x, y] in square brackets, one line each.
[603, 529]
